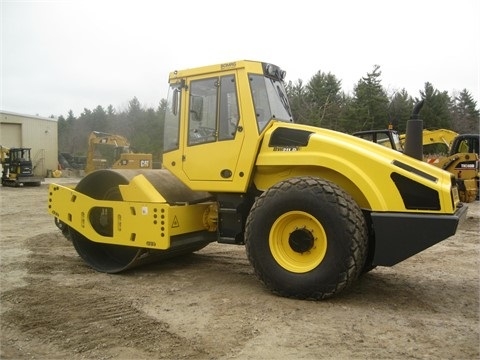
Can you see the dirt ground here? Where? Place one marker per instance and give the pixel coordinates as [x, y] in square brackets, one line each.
[209, 305]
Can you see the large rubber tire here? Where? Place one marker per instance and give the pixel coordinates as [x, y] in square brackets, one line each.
[306, 238]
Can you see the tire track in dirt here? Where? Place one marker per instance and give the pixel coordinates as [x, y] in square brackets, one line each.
[55, 313]
[108, 323]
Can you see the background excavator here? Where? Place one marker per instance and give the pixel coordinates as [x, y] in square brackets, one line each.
[110, 151]
[436, 141]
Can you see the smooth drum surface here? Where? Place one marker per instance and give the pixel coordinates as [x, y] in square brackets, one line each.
[103, 185]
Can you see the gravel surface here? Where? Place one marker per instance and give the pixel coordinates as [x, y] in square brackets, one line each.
[209, 305]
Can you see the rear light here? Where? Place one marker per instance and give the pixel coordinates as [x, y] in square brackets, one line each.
[454, 192]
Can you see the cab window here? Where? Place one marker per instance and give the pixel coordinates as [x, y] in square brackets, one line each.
[172, 120]
[213, 110]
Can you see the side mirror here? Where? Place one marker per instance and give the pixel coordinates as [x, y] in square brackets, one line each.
[175, 101]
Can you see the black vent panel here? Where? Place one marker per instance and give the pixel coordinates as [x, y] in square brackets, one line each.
[289, 137]
[415, 195]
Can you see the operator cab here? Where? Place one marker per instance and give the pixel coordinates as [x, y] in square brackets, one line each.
[213, 112]
[465, 143]
[215, 117]
[20, 162]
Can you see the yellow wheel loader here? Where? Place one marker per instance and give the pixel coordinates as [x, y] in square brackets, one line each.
[314, 208]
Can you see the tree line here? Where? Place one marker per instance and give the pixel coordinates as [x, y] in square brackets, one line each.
[319, 102]
[142, 126]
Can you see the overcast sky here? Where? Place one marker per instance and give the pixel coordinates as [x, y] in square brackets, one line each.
[65, 55]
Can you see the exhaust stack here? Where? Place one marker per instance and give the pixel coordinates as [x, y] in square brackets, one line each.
[414, 134]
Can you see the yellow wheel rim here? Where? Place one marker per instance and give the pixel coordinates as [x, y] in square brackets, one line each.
[298, 241]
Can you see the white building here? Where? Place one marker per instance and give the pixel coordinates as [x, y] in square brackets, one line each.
[35, 132]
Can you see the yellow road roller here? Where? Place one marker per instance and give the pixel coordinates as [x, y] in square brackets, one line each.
[314, 208]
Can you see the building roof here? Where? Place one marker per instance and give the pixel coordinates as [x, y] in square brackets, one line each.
[27, 116]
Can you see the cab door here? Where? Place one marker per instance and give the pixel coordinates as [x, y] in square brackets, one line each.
[214, 137]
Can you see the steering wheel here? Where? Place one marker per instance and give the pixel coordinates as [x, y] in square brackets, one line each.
[202, 134]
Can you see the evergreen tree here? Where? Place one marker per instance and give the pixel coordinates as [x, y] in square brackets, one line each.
[99, 119]
[465, 115]
[70, 134]
[62, 130]
[400, 110]
[86, 120]
[369, 107]
[323, 95]
[344, 123]
[111, 110]
[297, 98]
[152, 140]
[111, 119]
[435, 112]
[84, 125]
[133, 118]
[134, 107]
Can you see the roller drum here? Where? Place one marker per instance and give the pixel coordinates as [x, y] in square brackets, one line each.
[103, 185]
